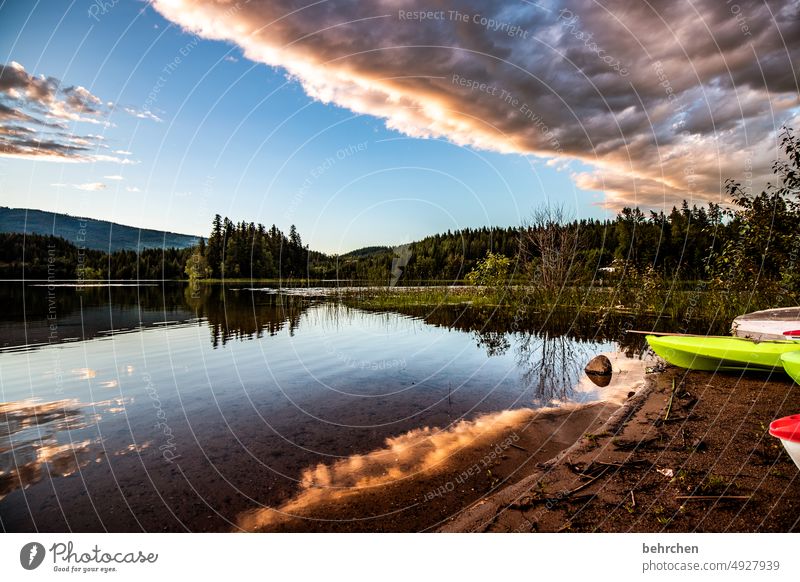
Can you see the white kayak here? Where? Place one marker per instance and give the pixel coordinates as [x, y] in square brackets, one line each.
[770, 324]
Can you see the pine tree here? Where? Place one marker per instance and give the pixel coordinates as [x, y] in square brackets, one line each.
[214, 248]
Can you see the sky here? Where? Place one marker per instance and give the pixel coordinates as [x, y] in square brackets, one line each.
[367, 123]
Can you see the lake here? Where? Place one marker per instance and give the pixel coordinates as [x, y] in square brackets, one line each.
[163, 408]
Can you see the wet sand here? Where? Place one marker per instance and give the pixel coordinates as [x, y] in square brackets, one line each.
[710, 467]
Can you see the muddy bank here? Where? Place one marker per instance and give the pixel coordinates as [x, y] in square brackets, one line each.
[689, 453]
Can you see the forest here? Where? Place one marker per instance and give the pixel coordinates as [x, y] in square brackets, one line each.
[252, 251]
[35, 256]
[680, 243]
[753, 240]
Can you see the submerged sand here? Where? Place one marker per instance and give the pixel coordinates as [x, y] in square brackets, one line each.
[424, 478]
[673, 451]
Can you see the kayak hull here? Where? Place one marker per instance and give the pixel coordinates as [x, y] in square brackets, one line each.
[711, 354]
[788, 430]
[791, 363]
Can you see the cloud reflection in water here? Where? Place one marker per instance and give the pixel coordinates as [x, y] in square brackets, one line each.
[425, 449]
[36, 439]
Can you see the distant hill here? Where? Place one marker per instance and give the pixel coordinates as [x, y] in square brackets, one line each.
[90, 233]
[365, 252]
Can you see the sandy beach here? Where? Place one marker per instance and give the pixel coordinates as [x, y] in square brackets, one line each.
[709, 465]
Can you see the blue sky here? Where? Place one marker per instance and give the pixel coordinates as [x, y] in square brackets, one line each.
[363, 126]
[239, 138]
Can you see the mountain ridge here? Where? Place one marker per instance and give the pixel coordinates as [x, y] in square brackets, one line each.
[91, 233]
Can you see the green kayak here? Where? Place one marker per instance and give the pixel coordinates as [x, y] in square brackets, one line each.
[791, 363]
[722, 353]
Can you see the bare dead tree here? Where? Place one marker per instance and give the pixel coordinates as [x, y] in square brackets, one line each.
[549, 241]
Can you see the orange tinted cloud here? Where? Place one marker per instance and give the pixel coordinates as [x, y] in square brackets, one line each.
[664, 102]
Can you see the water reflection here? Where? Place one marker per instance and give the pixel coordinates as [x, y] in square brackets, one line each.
[551, 365]
[264, 390]
[601, 381]
[494, 342]
[245, 315]
[234, 313]
[36, 316]
[403, 457]
[37, 440]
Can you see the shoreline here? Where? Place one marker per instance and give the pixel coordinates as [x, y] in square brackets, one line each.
[425, 477]
[421, 479]
[711, 466]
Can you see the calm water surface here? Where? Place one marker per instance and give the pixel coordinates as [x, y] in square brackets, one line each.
[153, 408]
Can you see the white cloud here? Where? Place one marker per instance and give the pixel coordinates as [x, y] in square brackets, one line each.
[90, 186]
[45, 106]
[143, 114]
[113, 159]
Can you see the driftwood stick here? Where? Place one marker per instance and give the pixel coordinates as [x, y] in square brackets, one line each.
[563, 496]
[713, 497]
[585, 485]
[624, 464]
[671, 397]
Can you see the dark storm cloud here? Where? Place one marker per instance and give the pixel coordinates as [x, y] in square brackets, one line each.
[665, 100]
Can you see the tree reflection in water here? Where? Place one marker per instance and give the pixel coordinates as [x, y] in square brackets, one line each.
[549, 365]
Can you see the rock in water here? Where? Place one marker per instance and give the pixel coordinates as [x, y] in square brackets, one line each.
[599, 380]
[598, 366]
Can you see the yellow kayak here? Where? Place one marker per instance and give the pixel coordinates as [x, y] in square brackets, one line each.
[721, 353]
[791, 363]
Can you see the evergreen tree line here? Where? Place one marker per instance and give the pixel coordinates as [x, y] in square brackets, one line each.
[35, 256]
[683, 243]
[251, 251]
[679, 243]
[689, 243]
[442, 257]
[754, 242]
